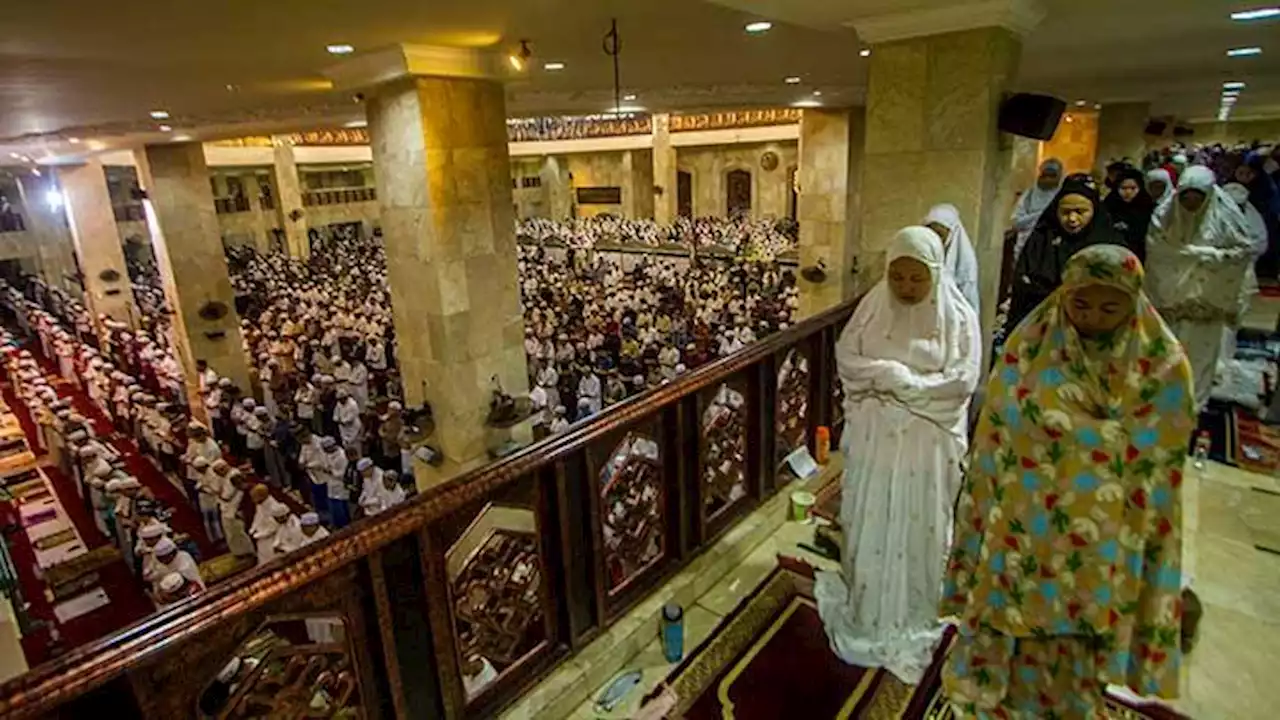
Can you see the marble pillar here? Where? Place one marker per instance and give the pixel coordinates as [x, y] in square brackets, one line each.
[829, 176]
[189, 255]
[47, 225]
[931, 137]
[97, 241]
[440, 153]
[664, 171]
[629, 190]
[1121, 128]
[556, 188]
[289, 211]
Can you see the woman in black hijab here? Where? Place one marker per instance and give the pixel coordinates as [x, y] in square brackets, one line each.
[1074, 220]
[1130, 207]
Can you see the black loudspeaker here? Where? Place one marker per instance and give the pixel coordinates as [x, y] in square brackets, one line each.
[1033, 116]
[1156, 127]
[1180, 131]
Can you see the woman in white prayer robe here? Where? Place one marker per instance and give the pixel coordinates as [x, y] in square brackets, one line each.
[1199, 251]
[909, 360]
[961, 261]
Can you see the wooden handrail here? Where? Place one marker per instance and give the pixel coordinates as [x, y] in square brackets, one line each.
[90, 666]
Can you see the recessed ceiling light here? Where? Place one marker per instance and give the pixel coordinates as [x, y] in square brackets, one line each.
[340, 49]
[864, 52]
[1097, 106]
[817, 93]
[356, 124]
[759, 27]
[793, 80]
[1234, 85]
[628, 97]
[1258, 14]
[1230, 93]
[160, 114]
[74, 141]
[231, 88]
[181, 138]
[553, 66]
[1081, 103]
[166, 128]
[806, 104]
[1244, 51]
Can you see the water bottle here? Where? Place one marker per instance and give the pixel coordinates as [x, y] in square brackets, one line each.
[672, 632]
[1203, 443]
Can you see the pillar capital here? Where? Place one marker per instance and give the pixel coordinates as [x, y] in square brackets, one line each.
[1018, 16]
[408, 60]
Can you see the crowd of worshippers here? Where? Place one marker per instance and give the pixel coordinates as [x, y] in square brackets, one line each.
[237, 500]
[761, 240]
[596, 334]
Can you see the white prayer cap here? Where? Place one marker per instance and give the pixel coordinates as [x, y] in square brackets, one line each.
[89, 451]
[224, 382]
[395, 405]
[279, 511]
[151, 530]
[248, 402]
[113, 485]
[171, 582]
[328, 443]
[364, 464]
[165, 546]
[201, 462]
[309, 518]
[220, 463]
[102, 471]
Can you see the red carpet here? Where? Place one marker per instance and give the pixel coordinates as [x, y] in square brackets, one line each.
[128, 601]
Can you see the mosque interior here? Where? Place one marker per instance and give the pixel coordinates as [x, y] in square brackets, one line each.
[483, 359]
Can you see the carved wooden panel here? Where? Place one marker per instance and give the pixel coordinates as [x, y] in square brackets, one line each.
[792, 417]
[723, 448]
[497, 593]
[632, 499]
[292, 667]
[173, 684]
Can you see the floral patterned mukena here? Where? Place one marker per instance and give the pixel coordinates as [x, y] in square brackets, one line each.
[1066, 565]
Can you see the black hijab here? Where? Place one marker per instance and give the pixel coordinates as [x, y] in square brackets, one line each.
[1039, 268]
[1131, 219]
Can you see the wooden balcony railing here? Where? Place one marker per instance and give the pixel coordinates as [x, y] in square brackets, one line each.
[339, 196]
[514, 566]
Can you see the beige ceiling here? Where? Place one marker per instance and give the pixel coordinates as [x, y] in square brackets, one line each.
[72, 68]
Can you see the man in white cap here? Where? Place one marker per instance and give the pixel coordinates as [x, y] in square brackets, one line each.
[311, 529]
[238, 541]
[149, 535]
[173, 589]
[381, 489]
[333, 470]
[199, 444]
[268, 513]
[209, 489]
[347, 415]
[169, 559]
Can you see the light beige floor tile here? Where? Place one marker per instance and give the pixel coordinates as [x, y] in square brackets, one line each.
[1231, 672]
[699, 624]
[1238, 577]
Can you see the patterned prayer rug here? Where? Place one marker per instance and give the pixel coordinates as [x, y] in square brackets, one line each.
[770, 659]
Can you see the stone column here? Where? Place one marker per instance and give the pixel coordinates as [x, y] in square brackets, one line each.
[289, 210]
[47, 226]
[829, 175]
[555, 183]
[439, 140]
[97, 241]
[1121, 128]
[253, 193]
[629, 189]
[189, 255]
[664, 171]
[936, 82]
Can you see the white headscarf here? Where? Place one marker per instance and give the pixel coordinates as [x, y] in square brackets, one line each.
[1163, 176]
[1033, 202]
[960, 260]
[924, 336]
[1198, 257]
[937, 339]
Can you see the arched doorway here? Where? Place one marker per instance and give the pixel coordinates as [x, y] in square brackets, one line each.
[738, 192]
[684, 193]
